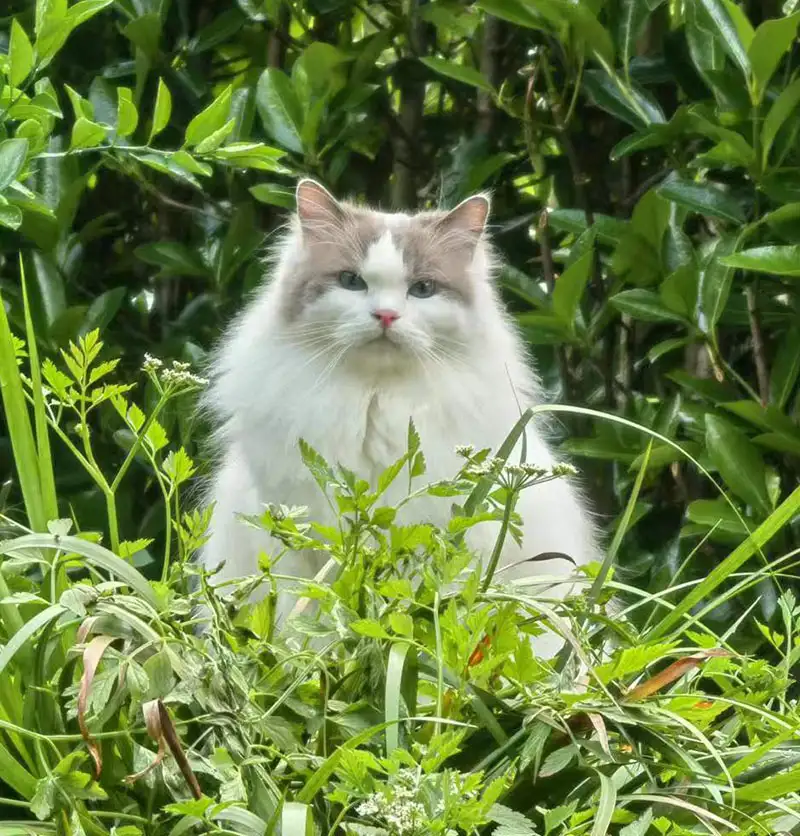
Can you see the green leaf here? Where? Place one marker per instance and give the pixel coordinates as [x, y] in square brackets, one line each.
[628, 102]
[127, 114]
[780, 111]
[273, 195]
[606, 805]
[776, 260]
[296, 819]
[12, 160]
[543, 329]
[19, 428]
[703, 198]
[715, 285]
[85, 9]
[776, 786]
[726, 30]
[213, 141]
[738, 462]
[10, 216]
[20, 55]
[173, 257]
[395, 670]
[569, 289]
[96, 556]
[210, 120]
[785, 369]
[369, 627]
[280, 109]
[28, 630]
[145, 32]
[632, 18]
[679, 291]
[458, 72]
[252, 155]
[645, 305]
[86, 134]
[514, 11]
[162, 110]
[772, 40]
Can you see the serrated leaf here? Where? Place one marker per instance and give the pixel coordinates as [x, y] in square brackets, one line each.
[369, 627]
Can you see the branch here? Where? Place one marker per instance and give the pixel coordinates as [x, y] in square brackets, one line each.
[490, 70]
[412, 105]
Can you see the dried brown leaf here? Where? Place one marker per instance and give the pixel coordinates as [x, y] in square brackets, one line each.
[91, 659]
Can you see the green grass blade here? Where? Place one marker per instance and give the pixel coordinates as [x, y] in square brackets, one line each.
[19, 427]
[47, 482]
[95, 555]
[605, 806]
[15, 775]
[395, 668]
[296, 820]
[780, 517]
[23, 636]
[622, 529]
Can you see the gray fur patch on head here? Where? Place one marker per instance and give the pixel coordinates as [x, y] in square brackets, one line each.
[336, 236]
[434, 250]
[329, 245]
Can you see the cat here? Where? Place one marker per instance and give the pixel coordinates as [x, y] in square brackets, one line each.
[371, 319]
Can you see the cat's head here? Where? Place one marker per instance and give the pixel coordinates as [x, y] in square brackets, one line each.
[384, 287]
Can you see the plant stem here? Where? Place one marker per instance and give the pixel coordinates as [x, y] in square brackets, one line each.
[759, 348]
[501, 538]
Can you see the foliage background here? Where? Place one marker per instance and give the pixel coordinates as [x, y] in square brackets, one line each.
[643, 160]
[642, 157]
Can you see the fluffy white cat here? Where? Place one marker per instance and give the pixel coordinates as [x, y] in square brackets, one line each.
[371, 319]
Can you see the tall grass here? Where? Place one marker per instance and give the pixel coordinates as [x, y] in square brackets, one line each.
[393, 708]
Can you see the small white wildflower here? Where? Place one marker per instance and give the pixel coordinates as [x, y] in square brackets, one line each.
[151, 364]
[465, 450]
[371, 806]
[516, 471]
[564, 469]
[534, 471]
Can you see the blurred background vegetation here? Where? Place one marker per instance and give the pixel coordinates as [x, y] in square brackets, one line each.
[643, 160]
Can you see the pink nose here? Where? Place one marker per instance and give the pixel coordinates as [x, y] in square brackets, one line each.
[385, 316]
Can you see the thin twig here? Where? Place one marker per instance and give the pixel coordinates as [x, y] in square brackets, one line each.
[759, 348]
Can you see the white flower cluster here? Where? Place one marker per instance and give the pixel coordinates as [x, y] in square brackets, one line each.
[495, 467]
[402, 814]
[177, 374]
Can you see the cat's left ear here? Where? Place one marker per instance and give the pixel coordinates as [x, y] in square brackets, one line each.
[469, 216]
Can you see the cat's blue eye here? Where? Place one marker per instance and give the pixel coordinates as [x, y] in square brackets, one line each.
[422, 289]
[351, 281]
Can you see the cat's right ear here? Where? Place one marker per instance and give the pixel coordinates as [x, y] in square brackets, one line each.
[316, 206]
